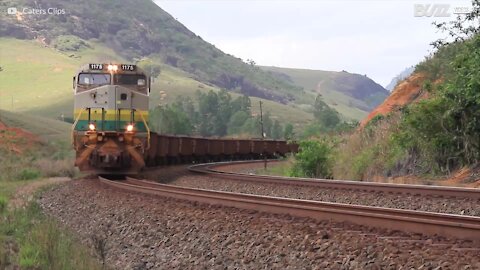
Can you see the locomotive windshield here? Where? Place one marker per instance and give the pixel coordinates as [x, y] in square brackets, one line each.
[130, 79]
[94, 78]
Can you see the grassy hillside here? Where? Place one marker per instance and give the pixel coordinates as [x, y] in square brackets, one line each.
[38, 78]
[39, 81]
[138, 29]
[352, 95]
[46, 128]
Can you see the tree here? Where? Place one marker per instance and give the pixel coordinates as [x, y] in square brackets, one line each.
[208, 109]
[324, 115]
[170, 119]
[288, 133]
[223, 113]
[151, 68]
[276, 130]
[252, 127]
[186, 103]
[237, 120]
[267, 124]
[242, 103]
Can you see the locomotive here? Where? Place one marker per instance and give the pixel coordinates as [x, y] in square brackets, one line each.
[111, 133]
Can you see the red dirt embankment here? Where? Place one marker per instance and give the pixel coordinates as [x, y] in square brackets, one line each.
[15, 139]
[406, 92]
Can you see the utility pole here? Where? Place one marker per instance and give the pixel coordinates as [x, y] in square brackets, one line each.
[263, 137]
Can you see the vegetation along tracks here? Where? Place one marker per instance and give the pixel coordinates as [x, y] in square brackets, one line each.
[448, 225]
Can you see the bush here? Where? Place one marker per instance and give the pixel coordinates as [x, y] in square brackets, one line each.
[314, 159]
[69, 43]
[28, 174]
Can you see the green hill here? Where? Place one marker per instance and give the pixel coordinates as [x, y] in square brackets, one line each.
[36, 79]
[352, 95]
[46, 128]
[136, 30]
[139, 30]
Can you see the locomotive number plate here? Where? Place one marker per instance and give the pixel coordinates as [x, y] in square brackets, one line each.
[128, 67]
[96, 66]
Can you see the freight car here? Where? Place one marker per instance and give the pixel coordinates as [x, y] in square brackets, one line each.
[111, 133]
[167, 149]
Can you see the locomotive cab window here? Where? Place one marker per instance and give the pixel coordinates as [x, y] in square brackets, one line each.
[93, 79]
[130, 79]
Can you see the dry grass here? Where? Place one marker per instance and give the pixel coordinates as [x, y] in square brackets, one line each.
[54, 168]
[367, 153]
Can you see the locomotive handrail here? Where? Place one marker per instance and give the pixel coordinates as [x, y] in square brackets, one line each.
[75, 124]
[148, 130]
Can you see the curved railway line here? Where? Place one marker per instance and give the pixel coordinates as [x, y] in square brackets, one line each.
[447, 225]
[214, 169]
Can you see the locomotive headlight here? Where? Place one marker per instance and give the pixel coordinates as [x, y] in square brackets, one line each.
[91, 127]
[112, 68]
[130, 128]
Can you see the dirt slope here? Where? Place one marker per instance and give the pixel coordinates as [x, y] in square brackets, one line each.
[16, 140]
[406, 92]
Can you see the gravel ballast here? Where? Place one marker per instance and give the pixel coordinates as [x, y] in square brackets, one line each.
[459, 206]
[144, 232]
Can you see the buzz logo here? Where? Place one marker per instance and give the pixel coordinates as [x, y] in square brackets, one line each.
[12, 11]
[431, 10]
[439, 10]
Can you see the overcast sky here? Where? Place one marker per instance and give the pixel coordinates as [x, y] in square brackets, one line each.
[377, 38]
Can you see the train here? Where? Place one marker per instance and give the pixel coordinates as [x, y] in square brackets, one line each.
[111, 134]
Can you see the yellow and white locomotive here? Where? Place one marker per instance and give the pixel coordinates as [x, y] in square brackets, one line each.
[110, 132]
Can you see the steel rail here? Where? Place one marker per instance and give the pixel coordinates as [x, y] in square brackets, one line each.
[214, 169]
[447, 225]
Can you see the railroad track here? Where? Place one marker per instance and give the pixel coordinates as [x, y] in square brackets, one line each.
[447, 225]
[214, 169]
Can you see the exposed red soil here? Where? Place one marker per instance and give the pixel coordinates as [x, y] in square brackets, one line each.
[465, 177]
[406, 92]
[15, 139]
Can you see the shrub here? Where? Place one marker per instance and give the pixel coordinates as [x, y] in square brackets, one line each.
[69, 43]
[314, 159]
[362, 161]
[28, 174]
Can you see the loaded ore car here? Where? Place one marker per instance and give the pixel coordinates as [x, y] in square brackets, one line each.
[111, 133]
